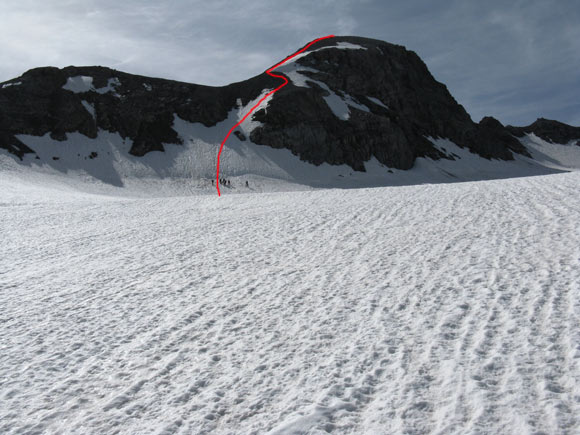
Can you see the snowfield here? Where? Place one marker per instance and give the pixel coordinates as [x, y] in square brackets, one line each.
[435, 308]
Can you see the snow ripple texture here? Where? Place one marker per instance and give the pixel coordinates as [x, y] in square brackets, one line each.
[423, 309]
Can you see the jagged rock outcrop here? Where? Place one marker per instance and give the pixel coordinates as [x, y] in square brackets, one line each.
[136, 107]
[417, 106]
[394, 105]
[549, 130]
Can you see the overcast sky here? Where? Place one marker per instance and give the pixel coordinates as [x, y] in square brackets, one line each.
[516, 60]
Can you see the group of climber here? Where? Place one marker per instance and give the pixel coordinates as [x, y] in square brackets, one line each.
[227, 183]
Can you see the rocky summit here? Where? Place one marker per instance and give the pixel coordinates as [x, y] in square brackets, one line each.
[549, 130]
[348, 99]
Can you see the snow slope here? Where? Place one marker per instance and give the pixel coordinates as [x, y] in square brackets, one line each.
[449, 308]
[104, 165]
[552, 155]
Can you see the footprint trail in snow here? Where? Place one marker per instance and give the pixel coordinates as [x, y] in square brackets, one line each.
[422, 309]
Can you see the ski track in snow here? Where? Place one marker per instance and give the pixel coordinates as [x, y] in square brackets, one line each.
[450, 308]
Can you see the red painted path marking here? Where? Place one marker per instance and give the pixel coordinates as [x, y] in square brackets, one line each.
[269, 72]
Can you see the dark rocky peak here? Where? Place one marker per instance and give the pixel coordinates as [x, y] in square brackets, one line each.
[549, 130]
[349, 99]
[394, 104]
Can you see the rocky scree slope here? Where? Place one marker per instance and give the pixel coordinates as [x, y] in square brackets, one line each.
[394, 105]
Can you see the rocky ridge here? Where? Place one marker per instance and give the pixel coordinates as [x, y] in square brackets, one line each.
[394, 106]
[549, 130]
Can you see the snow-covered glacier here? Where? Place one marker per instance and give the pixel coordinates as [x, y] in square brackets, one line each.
[434, 308]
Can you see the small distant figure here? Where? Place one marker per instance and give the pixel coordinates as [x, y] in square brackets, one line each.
[229, 183]
[240, 135]
[247, 184]
[212, 182]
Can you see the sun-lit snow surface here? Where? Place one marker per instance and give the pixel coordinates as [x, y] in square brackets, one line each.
[450, 308]
[379, 102]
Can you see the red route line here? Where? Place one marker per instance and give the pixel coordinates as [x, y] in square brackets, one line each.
[269, 72]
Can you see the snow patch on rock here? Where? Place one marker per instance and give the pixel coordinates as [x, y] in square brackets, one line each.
[7, 85]
[190, 168]
[553, 155]
[378, 102]
[339, 46]
[249, 123]
[82, 84]
[339, 105]
[294, 74]
[419, 309]
[90, 108]
[112, 85]
[348, 46]
[79, 84]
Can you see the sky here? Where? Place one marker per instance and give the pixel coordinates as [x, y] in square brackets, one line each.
[516, 60]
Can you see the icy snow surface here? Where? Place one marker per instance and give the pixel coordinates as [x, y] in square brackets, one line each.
[449, 308]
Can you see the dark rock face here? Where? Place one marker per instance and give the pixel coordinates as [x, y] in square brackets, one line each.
[418, 107]
[136, 107]
[405, 106]
[549, 130]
